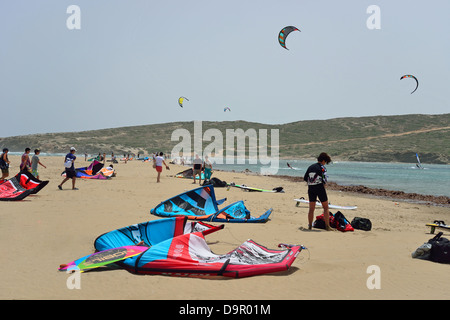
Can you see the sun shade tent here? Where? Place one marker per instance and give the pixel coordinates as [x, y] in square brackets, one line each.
[201, 204]
[178, 247]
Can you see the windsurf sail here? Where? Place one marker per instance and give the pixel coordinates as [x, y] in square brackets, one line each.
[179, 248]
[201, 204]
[418, 164]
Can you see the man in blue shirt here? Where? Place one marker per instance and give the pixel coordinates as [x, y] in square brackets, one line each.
[70, 168]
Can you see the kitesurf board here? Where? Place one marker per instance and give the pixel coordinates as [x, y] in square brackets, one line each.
[438, 224]
[331, 206]
[252, 189]
[102, 258]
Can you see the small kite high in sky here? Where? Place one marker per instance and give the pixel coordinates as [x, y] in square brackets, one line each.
[283, 35]
[411, 76]
[181, 100]
[225, 109]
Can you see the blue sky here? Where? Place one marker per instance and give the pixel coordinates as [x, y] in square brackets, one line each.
[131, 60]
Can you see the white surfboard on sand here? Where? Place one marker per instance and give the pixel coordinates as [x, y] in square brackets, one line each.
[331, 206]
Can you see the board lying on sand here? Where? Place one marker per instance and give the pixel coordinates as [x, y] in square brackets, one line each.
[331, 206]
[438, 224]
[252, 189]
[103, 258]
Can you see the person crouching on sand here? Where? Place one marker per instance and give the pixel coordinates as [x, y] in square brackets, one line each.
[316, 178]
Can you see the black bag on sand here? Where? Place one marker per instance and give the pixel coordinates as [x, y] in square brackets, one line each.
[361, 224]
[440, 249]
[217, 183]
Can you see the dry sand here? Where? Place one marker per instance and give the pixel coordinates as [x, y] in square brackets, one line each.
[54, 227]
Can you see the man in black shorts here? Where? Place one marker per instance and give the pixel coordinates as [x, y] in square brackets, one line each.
[316, 178]
[70, 169]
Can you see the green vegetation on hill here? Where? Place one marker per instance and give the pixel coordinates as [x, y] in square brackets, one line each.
[377, 138]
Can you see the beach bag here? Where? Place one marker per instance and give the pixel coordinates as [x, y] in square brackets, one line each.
[319, 223]
[341, 223]
[217, 183]
[361, 224]
[422, 252]
[68, 163]
[440, 249]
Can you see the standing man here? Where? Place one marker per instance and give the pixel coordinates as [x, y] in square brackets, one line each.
[25, 163]
[316, 178]
[70, 168]
[4, 163]
[34, 163]
[197, 169]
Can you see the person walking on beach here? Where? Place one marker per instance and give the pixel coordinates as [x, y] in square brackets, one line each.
[70, 168]
[25, 164]
[34, 163]
[4, 164]
[159, 161]
[197, 169]
[316, 178]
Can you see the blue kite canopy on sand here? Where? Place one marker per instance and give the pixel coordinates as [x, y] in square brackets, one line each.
[201, 204]
[177, 247]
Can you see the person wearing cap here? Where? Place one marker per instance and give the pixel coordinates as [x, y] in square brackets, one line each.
[70, 168]
[34, 163]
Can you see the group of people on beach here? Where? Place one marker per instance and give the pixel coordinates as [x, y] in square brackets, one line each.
[31, 165]
[27, 164]
[199, 166]
[315, 176]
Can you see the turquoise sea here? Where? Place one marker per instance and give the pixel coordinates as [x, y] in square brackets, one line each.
[434, 179]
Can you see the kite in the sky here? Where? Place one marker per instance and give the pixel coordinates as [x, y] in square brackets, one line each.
[283, 35]
[411, 76]
[181, 100]
[226, 108]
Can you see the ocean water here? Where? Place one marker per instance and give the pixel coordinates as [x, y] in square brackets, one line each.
[434, 179]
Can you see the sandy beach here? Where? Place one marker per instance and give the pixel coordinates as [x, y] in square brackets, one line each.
[58, 226]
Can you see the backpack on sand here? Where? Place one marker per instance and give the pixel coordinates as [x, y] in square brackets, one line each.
[361, 224]
[440, 249]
